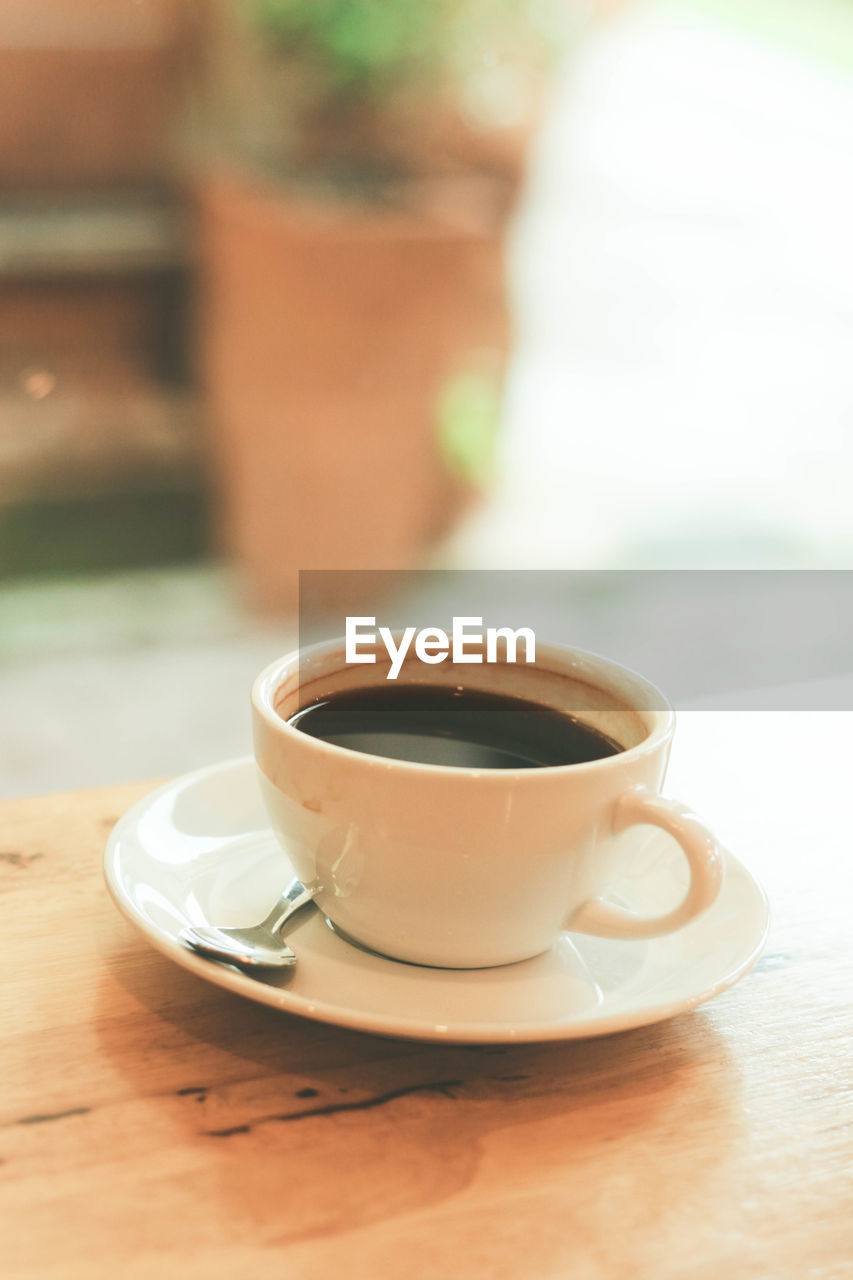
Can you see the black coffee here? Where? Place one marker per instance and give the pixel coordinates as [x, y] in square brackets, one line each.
[463, 727]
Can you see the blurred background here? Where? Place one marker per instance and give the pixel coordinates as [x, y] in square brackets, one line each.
[291, 284]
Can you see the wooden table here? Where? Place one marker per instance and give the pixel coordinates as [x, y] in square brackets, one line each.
[154, 1125]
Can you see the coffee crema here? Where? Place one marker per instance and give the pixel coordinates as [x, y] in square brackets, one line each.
[459, 727]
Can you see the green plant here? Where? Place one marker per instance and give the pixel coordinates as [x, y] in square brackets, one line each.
[365, 46]
[355, 95]
[357, 44]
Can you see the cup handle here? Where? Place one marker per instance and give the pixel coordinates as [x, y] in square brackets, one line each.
[703, 854]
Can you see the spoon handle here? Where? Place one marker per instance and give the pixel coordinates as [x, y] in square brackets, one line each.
[293, 897]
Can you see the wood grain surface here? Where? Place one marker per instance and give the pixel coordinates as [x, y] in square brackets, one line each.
[154, 1125]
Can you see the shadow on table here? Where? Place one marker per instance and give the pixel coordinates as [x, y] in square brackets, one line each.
[308, 1130]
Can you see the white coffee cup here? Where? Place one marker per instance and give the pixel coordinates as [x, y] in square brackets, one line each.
[461, 867]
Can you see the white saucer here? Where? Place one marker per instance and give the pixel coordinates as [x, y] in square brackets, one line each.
[199, 850]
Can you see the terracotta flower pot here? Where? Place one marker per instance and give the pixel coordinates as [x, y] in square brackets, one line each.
[333, 340]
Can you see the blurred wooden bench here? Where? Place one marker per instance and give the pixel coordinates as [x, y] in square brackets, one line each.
[97, 392]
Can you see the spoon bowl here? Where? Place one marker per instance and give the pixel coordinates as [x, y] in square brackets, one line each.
[258, 946]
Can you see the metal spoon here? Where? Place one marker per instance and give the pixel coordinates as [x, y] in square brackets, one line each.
[260, 945]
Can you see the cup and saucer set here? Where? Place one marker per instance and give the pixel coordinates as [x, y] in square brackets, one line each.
[457, 904]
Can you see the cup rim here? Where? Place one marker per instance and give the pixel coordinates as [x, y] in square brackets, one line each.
[271, 677]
